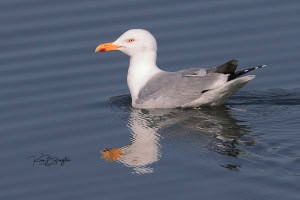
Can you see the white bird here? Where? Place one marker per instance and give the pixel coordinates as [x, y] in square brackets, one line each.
[151, 87]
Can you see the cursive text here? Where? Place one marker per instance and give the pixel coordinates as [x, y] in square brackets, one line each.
[48, 160]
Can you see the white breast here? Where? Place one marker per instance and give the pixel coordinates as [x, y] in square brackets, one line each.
[140, 71]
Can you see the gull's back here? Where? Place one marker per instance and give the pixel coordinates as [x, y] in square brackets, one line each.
[192, 87]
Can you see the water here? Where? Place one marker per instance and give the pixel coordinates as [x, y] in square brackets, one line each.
[59, 98]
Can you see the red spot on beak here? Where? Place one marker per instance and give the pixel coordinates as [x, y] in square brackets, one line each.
[102, 50]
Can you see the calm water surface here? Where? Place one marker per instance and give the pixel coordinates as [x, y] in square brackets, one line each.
[68, 130]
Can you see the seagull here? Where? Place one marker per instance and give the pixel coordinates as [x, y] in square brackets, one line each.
[151, 87]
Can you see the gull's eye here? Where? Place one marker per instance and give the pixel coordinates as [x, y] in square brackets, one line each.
[130, 40]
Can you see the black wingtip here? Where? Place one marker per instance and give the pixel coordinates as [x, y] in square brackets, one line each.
[233, 62]
[260, 66]
[244, 71]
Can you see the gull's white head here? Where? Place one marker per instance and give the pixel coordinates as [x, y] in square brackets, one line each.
[132, 42]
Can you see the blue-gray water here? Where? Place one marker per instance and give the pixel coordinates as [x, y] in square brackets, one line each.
[58, 97]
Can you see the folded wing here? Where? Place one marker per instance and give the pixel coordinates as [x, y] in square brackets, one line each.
[173, 89]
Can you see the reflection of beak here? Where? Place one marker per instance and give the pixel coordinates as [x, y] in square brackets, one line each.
[107, 47]
[112, 154]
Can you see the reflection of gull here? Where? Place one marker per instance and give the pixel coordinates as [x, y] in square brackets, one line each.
[150, 87]
[144, 149]
[216, 130]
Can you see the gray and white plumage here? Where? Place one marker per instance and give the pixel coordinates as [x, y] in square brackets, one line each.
[173, 89]
[151, 87]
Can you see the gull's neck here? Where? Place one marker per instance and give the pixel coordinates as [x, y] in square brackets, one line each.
[142, 67]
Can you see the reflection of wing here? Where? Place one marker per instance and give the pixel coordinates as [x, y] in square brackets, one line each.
[215, 128]
[214, 121]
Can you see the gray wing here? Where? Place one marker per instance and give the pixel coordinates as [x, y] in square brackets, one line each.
[227, 68]
[173, 89]
[193, 72]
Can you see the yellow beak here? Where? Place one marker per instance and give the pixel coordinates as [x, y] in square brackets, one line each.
[112, 154]
[107, 47]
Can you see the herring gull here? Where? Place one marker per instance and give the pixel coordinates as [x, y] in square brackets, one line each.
[151, 87]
